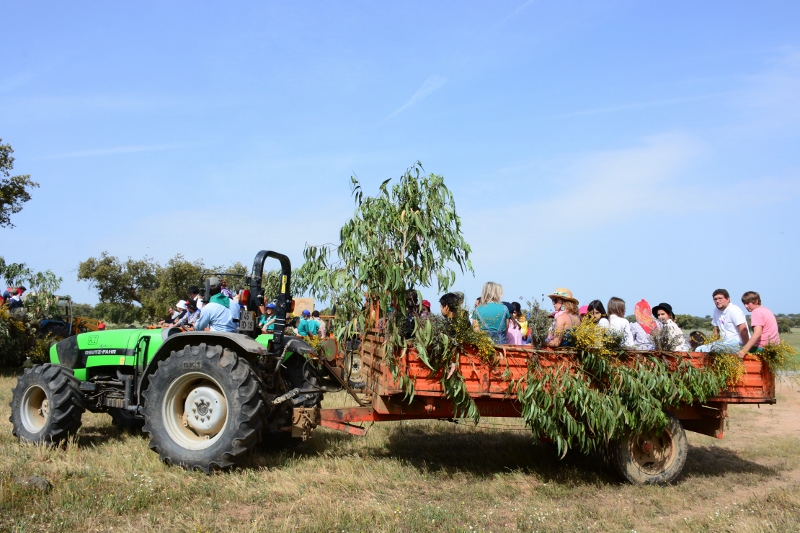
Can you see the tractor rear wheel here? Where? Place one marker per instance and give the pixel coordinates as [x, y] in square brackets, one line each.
[46, 405]
[203, 408]
[654, 458]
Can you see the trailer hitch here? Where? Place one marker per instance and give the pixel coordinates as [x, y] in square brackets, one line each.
[288, 396]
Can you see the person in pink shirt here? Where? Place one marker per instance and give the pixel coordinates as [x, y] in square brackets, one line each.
[765, 327]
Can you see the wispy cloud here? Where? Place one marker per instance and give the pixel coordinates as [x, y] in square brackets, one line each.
[505, 20]
[771, 99]
[433, 83]
[20, 80]
[642, 105]
[115, 150]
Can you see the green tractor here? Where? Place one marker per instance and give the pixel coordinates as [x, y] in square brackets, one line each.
[204, 398]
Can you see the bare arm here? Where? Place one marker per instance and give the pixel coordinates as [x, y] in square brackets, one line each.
[754, 340]
[558, 333]
[743, 333]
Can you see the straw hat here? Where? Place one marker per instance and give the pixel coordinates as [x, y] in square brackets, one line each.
[564, 294]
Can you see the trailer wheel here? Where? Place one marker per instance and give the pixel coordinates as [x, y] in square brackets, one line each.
[46, 405]
[125, 420]
[651, 458]
[203, 408]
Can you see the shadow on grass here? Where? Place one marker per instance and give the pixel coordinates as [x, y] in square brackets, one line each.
[486, 453]
[441, 449]
[91, 436]
[712, 461]
[10, 372]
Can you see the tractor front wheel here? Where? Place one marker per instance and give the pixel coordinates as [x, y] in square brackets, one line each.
[46, 405]
[654, 458]
[203, 408]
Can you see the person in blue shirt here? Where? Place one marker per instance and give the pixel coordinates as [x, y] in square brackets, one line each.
[490, 314]
[216, 314]
[308, 326]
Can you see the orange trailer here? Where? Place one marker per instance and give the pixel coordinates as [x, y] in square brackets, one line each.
[643, 458]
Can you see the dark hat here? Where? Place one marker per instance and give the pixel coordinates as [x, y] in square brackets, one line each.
[306, 313]
[664, 307]
[193, 289]
[22, 288]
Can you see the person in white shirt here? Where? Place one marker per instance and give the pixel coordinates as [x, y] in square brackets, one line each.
[618, 322]
[729, 323]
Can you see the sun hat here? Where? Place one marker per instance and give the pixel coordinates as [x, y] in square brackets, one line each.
[181, 304]
[664, 307]
[306, 313]
[583, 310]
[564, 294]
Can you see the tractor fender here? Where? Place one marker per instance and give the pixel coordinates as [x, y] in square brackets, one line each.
[243, 345]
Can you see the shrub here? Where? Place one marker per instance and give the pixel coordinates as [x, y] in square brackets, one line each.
[18, 340]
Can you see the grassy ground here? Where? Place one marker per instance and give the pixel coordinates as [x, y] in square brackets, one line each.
[409, 476]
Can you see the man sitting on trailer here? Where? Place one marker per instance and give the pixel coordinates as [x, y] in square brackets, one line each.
[216, 314]
[729, 323]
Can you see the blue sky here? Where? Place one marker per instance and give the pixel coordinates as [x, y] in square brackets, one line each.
[624, 148]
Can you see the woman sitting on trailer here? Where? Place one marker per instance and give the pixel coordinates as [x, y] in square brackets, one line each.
[565, 318]
[491, 315]
[618, 322]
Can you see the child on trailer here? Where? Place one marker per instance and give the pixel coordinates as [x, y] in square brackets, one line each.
[597, 313]
[618, 322]
[663, 312]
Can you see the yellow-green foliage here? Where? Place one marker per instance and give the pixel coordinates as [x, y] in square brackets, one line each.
[18, 340]
[590, 336]
[730, 366]
[465, 335]
[780, 357]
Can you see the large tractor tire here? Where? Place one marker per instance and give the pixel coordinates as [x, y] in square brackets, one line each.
[46, 405]
[203, 408]
[654, 458]
[125, 420]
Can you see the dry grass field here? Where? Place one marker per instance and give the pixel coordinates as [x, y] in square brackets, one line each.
[409, 476]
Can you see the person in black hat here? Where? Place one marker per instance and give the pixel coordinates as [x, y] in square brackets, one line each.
[194, 295]
[663, 312]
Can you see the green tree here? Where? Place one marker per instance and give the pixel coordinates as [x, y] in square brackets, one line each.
[404, 238]
[120, 282]
[128, 284]
[172, 284]
[40, 301]
[784, 325]
[14, 190]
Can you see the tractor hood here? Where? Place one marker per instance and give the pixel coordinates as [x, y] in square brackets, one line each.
[105, 348]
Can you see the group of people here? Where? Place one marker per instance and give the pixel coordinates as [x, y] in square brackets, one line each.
[505, 323]
[12, 297]
[222, 310]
